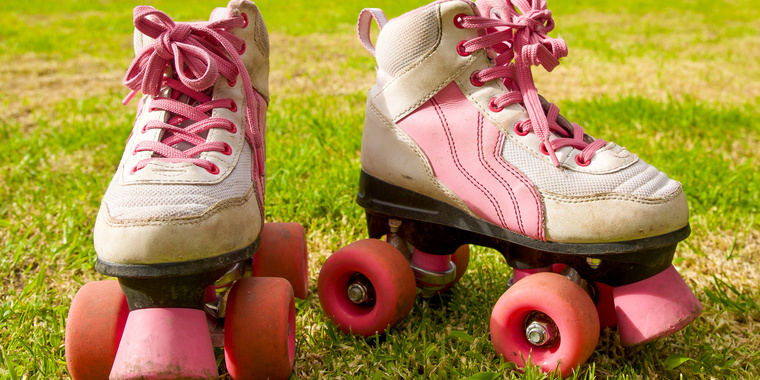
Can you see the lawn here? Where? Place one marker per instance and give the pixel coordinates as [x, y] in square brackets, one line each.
[676, 82]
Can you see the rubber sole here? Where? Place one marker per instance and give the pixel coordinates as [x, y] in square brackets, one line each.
[172, 285]
[180, 268]
[436, 227]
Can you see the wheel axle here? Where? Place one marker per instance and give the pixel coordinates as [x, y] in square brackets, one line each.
[358, 293]
[539, 333]
[360, 290]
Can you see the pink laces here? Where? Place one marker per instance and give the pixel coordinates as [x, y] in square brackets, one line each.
[200, 52]
[521, 37]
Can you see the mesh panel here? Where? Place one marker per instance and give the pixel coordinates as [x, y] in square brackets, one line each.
[262, 37]
[407, 39]
[152, 201]
[639, 179]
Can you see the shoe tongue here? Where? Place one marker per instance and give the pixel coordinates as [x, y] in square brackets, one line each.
[495, 8]
[140, 41]
[219, 14]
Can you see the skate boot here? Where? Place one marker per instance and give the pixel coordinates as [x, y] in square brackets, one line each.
[458, 148]
[181, 224]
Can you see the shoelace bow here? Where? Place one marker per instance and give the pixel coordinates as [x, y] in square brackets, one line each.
[521, 37]
[201, 52]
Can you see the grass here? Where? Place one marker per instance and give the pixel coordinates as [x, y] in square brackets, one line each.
[674, 83]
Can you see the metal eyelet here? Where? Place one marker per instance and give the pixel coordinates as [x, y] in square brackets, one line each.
[580, 162]
[518, 129]
[474, 81]
[461, 51]
[492, 106]
[458, 20]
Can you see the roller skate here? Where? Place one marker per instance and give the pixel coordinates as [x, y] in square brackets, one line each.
[458, 148]
[181, 224]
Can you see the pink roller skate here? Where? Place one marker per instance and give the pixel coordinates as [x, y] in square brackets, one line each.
[181, 224]
[458, 148]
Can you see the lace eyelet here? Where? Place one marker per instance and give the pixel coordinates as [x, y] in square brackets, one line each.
[245, 20]
[133, 170]
[474, 81]
[144, 129]
[519, 131]
[492, 106]
[580, 161]
[242, 50]
[227, 149]
[458, 20]
[233, 128]
[233, 108]
[461, 51]
[232, 82]
[543, 149]
[213, 170]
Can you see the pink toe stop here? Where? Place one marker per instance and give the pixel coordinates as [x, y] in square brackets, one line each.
[655, 307]
[165, 344]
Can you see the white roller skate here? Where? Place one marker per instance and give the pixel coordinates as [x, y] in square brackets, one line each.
[458, 148]
[181, 224]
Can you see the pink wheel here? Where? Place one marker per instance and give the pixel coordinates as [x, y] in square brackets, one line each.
[259, 329]
[549, 318]
[460, 258]
[605, 306]
[94, 326]
[366, 287]
[283, 253]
